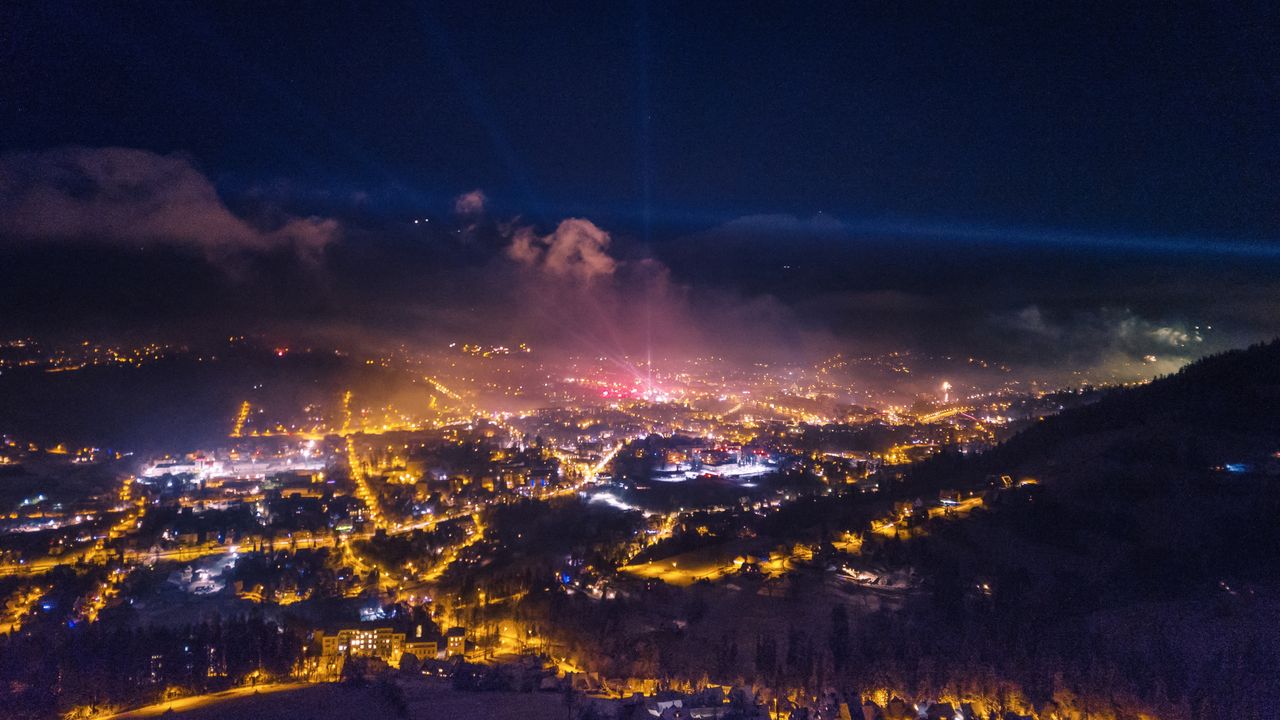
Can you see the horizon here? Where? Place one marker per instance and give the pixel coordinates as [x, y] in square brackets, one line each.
[949, 199]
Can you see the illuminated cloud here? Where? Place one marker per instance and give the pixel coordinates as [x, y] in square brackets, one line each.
[1031, 320]
[779, 225]
[471, 203]
[577, 249]
[1109, 336]
[125, 196]
[526, 247]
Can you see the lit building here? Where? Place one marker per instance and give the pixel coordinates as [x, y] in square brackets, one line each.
[382, 643]
[456, 639]
[422, 650]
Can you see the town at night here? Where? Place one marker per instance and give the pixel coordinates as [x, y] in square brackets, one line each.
[639, 361]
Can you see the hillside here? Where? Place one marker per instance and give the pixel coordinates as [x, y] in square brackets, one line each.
[1216, 411]
[1154, 491]
[1143, 564]
[186, 399]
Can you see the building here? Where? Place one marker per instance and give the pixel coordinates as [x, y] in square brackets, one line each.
[456, 641]
[383, 643]
[422, 650]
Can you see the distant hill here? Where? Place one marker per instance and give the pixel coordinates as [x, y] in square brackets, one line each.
[184, 401]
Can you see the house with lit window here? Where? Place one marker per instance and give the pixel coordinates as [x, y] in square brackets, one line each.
[422, 650]
[456, 641]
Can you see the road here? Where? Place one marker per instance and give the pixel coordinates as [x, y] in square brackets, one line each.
[195, 701]
[195, 553]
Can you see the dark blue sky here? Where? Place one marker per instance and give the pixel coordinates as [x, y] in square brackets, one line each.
[1123, 119]
[1071, 156]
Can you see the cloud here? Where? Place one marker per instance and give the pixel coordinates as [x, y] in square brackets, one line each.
[471, 203]
[126, 196]
[782, 225]
[1108, 337]
[1031, 320]
[577, 249]
[582, 290]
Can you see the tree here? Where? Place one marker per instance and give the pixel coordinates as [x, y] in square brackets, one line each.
[766, 658]
[570, 698]
[839, 641]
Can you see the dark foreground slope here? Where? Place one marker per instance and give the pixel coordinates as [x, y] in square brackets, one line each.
[1143, 565]
[1167, 488]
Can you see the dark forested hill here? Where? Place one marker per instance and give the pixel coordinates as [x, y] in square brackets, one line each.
[1223, 409]
[1217, 416]
[1145, 561]
[1161, 489]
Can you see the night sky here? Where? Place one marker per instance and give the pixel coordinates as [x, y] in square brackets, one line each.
[1066, 183]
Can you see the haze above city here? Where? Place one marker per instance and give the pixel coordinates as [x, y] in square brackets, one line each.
[1023, 187]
